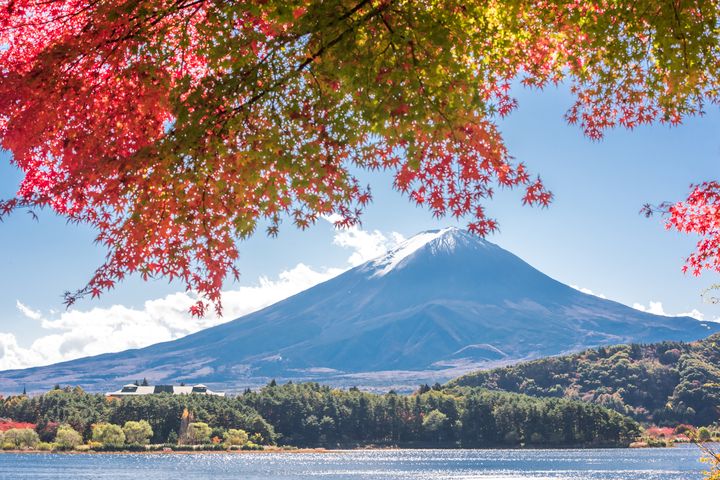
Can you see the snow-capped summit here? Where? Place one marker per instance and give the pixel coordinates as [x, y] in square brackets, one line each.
[439, 304]
[433, 241]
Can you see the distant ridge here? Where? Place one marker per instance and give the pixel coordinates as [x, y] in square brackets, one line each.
[442, 303]
[662, 383]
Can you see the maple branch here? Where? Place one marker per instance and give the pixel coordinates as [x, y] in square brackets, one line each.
[299, 68]
[680, 34]
[86, 8]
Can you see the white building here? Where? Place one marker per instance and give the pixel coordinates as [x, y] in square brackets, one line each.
[132, 389]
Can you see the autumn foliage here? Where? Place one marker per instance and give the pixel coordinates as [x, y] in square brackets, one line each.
[699, 214]
[177, 127]
[7, 424]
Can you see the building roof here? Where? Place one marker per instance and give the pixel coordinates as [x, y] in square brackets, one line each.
[132, 390]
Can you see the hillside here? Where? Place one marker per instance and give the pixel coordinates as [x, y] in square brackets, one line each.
[441, 304]
[666, 383]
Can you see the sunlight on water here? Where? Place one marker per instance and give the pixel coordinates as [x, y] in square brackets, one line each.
[680, 463]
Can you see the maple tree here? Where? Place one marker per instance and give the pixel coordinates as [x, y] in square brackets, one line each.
[698, 214]
[176, 127]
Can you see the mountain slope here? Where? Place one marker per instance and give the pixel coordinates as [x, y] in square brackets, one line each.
[440, 304]
[668, 382]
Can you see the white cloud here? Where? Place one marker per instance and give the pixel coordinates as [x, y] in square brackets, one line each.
[12, 355]
[657, 308]
[588, 291]
[367, 245]
[28, 312]
[78, 333]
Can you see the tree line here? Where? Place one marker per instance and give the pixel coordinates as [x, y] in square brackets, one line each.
[313, 415]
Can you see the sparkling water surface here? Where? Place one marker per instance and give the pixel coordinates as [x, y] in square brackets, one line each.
[679, 463]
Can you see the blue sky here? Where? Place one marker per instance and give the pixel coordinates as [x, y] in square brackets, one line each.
[591, 236]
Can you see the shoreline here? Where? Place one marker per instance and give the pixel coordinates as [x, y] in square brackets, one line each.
[274, 450]
[175, 452]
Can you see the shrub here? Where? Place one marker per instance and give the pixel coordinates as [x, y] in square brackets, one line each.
[47, 431]
[46, 446]
[22, 438]
[218, 432]
[252, 446]
[67, 438]
[7, 424]
[660, 432]
[688, 430]
[657, 442]
[131, 447]
[137, 432]
[172, 437]
[235, 437]
[108, 434]
[703, 434]
[198, 433]
[164, 445]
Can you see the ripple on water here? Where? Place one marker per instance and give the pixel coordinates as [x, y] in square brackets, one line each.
[679, 463]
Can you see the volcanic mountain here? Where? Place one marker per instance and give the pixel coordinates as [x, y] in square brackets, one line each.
[440, 304]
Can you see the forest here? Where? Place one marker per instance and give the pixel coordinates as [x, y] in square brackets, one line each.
[666, 383]
[597, 397]
[312, 415]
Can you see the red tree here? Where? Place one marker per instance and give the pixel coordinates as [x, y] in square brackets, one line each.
[175, 126]
[698, 214]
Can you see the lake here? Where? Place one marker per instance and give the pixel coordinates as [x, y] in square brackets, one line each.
[679, 463]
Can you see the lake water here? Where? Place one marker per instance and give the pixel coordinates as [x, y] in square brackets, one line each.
[679, 463]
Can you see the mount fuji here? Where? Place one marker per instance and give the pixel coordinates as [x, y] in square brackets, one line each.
[442, 303]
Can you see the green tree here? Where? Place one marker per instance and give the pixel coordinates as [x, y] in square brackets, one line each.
[67, 438]
[327, 429]
[137, 432]
[476, 417]
[311, 428]
[198, 433]
[264, 431]
[704, 435]
[172, 437]
[108, 434]
[434, 424]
